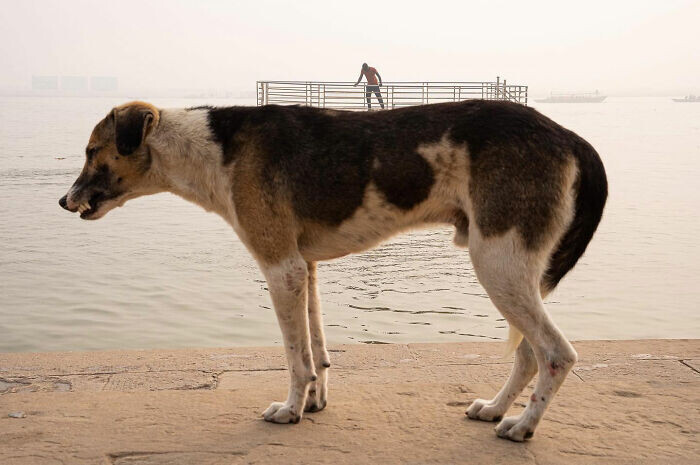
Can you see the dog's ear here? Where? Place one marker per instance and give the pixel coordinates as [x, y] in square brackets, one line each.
[133, 122]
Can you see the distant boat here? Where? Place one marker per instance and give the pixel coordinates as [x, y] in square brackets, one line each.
[585, 97]
[688, 99]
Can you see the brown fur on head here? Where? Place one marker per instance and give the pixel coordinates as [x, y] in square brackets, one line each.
[117, 162]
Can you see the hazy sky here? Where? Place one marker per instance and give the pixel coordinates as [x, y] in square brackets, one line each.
[614, 46]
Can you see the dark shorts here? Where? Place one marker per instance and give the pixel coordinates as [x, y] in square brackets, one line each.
[368, 94]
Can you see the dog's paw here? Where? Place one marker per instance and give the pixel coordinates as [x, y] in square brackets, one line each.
[484, 410]
[280, 412]
[316, 400]
[517, 428]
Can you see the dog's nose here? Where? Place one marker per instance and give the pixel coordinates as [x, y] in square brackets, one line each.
[62, 202]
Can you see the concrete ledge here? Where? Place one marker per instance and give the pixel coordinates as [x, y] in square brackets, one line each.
[630, 402]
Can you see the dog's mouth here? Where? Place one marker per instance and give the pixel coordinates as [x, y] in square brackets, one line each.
[85, 210]
[90, 209]
[97, 205]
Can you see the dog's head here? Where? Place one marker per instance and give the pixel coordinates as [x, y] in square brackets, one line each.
[117, 162]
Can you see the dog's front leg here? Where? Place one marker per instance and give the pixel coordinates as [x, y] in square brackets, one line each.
[288, 281]
[318, 390]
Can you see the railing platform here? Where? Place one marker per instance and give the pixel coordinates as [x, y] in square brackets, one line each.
[347, 96]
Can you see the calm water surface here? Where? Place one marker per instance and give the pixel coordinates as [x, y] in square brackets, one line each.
[164, 273]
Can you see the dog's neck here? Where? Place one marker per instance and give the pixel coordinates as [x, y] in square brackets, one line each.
[187, 162]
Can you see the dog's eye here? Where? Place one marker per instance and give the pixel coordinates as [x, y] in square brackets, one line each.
[91, 152]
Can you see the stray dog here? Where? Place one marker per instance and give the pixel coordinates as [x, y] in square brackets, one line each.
[300, 185]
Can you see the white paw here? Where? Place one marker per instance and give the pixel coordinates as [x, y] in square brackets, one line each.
[317, 398]
[280, 412]
[518, 428]
[485, 410]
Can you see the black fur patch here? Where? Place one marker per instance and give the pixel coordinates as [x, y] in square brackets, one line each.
[401, 174]
[461, 222]
[102, 179]
[327, 160]
[100, 185]
[129, 128]
[517, 165]
[98, 180]
[225, 124]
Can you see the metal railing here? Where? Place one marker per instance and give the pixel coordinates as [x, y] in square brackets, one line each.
[346, 96]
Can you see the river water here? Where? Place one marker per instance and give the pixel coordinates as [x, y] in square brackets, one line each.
[163, 273]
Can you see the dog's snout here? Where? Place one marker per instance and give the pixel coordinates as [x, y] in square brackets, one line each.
[63, 202]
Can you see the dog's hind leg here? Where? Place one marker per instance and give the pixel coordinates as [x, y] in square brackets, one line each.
[524, 368]
[511, 275]
[318, 391]
[288, 284]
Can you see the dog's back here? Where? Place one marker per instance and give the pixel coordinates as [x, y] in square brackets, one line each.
[499, 164]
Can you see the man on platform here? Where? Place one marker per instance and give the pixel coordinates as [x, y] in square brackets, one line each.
[371, 74]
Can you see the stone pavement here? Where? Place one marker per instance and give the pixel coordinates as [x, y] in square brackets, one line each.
[627, 402]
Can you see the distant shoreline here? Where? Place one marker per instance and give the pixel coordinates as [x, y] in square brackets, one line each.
[134, 95]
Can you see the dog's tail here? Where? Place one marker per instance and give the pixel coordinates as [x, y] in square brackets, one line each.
[591, 190]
